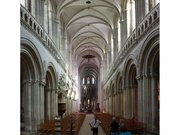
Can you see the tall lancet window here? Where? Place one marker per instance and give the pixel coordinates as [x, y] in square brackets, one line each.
[157, 1]
[131, 21]
[152, 3]
[26, 4]
[23, 2]
[88, 80]
[50, 18]
[29, 5]
[83, 81]
[92, 80]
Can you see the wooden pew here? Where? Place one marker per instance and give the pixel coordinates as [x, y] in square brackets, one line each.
[46, 127]
[106, 119]
[73, 121]
[130, 124]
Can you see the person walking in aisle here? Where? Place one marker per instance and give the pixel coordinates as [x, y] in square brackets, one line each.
[114, 126]
[94, 124]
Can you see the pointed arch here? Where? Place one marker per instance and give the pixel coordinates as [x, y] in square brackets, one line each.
[50, 99]
[149, 70]
[131, 87]
[31, 75]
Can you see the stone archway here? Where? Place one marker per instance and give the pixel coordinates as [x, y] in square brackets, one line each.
[149, 78]
[131, 88]
[31, 87]
[134, 86]
[50, 97]
[27, 75]
[121, 103]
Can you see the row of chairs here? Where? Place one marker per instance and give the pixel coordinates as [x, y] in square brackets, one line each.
[70, 124]
[129, 124]
[105, 119]
[46, 127]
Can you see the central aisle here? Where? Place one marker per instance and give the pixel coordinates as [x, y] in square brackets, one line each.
[85, 128]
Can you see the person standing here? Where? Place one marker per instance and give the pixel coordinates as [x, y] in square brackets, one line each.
[122, 126]
[94, 124]
[114, 126]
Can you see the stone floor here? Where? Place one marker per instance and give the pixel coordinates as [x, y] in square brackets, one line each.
[85, 128]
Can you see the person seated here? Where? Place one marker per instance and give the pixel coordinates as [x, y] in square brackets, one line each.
[125, 133]
[123, 129]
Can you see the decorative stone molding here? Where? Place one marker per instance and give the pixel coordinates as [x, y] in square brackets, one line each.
[26, 81]
[149, 22]
[35, 27]
[42, 82]
[62, 86]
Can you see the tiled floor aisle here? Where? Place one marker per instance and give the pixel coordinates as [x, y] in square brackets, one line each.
[85, 128]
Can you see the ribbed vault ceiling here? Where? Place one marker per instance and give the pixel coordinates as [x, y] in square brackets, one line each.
[88, 24]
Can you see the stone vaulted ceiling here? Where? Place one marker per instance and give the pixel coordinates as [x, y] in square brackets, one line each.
[88, 24]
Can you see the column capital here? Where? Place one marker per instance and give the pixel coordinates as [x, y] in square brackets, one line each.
[42, 82]
[27, 81]
[127, 87]
[153, 75]
[138, 77]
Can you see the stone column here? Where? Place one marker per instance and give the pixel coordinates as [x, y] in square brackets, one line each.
[110, 105]
[56, 103]
[154, 103]
[140, 10]
[35, 105]
[125, 103]
[53, 101]
[146, 106]
[131, 95]
[55, 30]
[58, 35]
[41, 88]
[106, 101]
[123, 27]
[108, 61]
[115, 42]
[50, 23]
[128, 102]
[48, 104]
[140, 97]
[117, 104]
[67, 105]
[100, 92]
[65, 47]
[121, 103]
[45, 16]
[109, 109]
[146, 6]
[112, 49]
[119, 36]
[33, 8]
[39, 10]
[132, 18]
[62, 40]
[26, 85]
[107, 104]
[113, 104]
[143, 97]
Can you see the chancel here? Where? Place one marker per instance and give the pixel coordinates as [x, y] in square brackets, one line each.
[81, 58]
